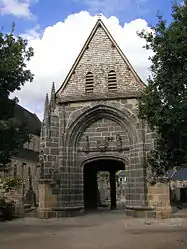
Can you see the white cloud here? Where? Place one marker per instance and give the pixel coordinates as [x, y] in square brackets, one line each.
[18, 8]
[58, 46]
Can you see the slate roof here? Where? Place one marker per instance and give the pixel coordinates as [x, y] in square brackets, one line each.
[31, 121]
[175, 175]
[170, 173]
[121, 173]
[180, 175]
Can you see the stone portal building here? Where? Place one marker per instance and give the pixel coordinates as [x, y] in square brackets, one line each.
[91, 124]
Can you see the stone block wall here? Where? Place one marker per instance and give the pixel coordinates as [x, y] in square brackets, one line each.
[49, 144]
[97, 131]
[66, 148]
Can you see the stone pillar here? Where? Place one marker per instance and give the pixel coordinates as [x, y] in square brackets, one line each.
[47, 201]
[113, 190]
[159, 199]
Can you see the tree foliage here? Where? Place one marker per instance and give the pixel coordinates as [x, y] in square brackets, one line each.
[164, 102]
[14, 54]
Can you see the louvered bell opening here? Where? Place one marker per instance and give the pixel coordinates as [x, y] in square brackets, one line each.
[89, 83]
[112, 84]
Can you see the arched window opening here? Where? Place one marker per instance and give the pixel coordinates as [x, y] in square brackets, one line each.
[89, 83]
[112, 83]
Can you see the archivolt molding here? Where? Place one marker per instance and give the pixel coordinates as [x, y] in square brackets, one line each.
[115, 105]
[94, 114]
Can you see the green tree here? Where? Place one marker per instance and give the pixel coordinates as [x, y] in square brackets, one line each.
[14, 54]
[164, 102]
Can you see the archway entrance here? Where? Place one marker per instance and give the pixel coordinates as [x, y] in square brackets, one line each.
[91, 191]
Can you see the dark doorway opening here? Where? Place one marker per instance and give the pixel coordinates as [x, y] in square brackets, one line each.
[91, 192]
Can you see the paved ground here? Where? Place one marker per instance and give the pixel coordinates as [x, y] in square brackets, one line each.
[109, 230]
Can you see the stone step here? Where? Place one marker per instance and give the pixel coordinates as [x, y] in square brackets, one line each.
[30, 212]
[181, 213]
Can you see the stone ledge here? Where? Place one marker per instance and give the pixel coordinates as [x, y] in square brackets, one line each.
[84, 98]
[61, 212]
[149, 212]
[68, 208]
[44, 214]
[144, 208]
[44, 181]
[141, 213]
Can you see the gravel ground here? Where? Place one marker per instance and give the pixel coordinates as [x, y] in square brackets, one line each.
[103, 230]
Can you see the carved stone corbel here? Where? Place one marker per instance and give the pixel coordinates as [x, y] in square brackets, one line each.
[102, 145]
[119, 144]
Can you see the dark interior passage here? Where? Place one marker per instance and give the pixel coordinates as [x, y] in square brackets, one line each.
[91, 193]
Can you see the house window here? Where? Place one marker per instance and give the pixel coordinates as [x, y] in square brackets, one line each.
[30, 145]
[89, 83]
[112, 83]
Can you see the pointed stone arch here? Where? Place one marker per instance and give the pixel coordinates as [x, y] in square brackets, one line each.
[98, 112]
[75, 158]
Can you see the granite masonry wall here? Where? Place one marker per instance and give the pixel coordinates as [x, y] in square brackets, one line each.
[81, 127]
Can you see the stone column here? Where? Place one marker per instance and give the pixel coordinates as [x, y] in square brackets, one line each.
[113, 190]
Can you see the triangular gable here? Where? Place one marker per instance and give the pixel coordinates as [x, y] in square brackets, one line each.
[100, 23]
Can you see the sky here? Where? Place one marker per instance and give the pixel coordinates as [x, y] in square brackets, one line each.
[58, 29]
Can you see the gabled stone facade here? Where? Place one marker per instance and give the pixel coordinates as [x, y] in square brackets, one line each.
[101, 55]
[98, 128]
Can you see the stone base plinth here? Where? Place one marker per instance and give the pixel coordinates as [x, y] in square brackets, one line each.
[44, 213]
[149, 213]
[46, 200]
[158, 206]
[159, 199]
[164, 213]
[60, 212]
[140, 212]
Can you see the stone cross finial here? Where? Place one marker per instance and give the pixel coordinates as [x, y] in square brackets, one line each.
[99, 16]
